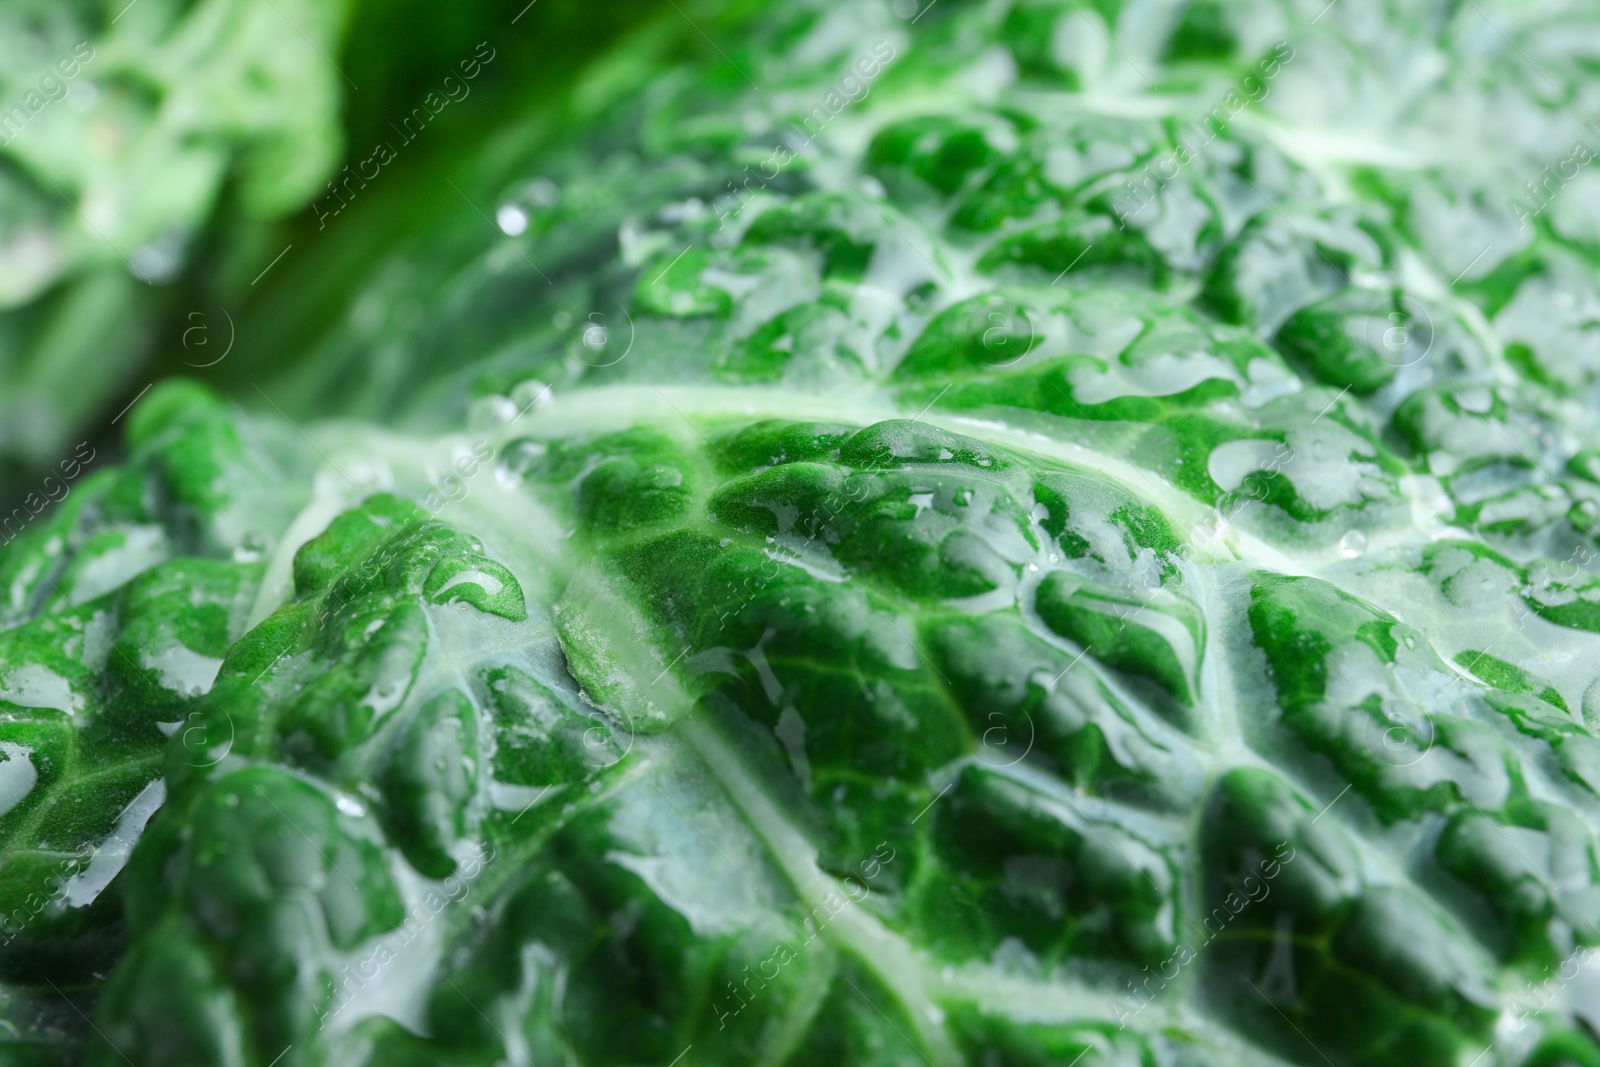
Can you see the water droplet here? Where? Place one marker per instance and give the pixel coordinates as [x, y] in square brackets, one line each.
[541, 192]
[1353, 544]
[488, 412]
[159, 260]
[252, 549]
[682, 211]
[530, 394]
[595, 337]
[519, 458]
[511, 219]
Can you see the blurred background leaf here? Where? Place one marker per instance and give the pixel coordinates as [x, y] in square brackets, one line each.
[156, 156]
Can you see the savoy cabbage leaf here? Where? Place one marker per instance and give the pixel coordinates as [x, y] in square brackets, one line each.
[1023, 533]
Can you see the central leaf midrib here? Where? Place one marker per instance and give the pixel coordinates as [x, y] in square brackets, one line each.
[894, 963]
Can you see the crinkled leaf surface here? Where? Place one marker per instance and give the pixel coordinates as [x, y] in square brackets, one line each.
[935, 604]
